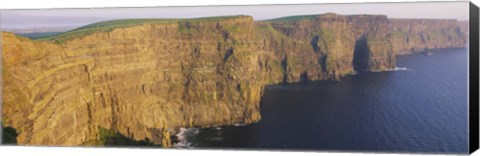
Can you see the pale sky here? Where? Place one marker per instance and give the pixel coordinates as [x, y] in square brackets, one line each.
[21, 19]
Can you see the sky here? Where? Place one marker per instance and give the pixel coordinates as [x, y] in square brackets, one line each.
[72, 18]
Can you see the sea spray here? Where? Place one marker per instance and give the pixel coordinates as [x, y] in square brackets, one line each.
[183, 137]
[394, 69]
[401, 69]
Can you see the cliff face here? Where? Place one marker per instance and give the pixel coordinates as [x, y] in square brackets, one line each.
[139, 81]
[330, 46]
[417, 35]
[45, 91]
[146, 80]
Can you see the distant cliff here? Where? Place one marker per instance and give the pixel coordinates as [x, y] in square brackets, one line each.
[329, 46]
[147, 79]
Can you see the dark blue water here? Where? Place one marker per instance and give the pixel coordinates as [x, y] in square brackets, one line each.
[422, 109]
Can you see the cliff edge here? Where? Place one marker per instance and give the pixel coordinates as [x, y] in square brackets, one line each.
[144, 80]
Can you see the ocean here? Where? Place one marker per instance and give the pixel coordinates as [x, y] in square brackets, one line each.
[419, 108]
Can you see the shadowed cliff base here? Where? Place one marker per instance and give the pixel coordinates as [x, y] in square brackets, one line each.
[361, 55]
[142, 79]
[9, 136]
[108, 137]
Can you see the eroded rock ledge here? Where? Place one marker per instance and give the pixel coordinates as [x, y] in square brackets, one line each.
[147, 80]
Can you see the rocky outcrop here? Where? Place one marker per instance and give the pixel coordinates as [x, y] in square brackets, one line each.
[139, 81]
[417, 35]
[330, 45]
[147, 80]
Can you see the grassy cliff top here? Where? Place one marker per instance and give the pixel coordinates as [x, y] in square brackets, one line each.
[299, 17]
[106, 26]
[310, 17]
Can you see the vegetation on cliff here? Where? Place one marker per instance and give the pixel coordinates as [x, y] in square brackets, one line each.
[137, 81]
[107, 26]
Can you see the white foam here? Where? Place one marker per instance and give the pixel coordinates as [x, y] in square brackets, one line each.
[401, 68]
[238, 124]
[183, 137]
[394, 69]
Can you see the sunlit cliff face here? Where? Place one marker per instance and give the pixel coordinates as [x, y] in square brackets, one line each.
[147, 80]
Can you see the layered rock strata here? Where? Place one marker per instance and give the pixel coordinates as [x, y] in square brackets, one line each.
[147, 80]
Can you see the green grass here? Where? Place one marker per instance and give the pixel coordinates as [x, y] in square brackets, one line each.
[108, 137]
[297, 18]
[107, 26]
[100, 27]
[38, 35]
[267, 29]
[105, 134]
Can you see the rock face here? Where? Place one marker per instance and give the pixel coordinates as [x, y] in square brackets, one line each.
[145, 81]
[418, 35]
[329, 46]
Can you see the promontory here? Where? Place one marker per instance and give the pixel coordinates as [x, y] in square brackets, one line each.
[145, 78]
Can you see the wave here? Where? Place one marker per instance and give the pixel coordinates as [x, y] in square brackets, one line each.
[394, 69]
[238, 124]
[401, 69]
[183, 136]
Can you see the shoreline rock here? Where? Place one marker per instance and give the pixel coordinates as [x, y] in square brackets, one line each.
[143, 80]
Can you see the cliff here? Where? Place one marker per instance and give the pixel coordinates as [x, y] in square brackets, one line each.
[329, 46]
[147, 79]
[420, 34]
